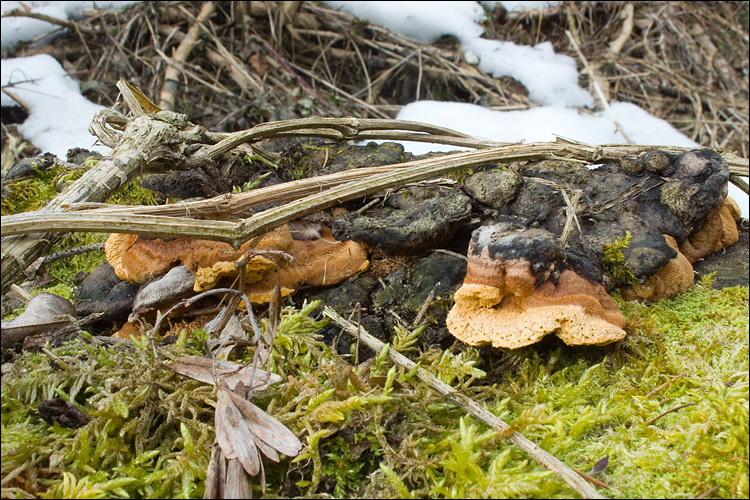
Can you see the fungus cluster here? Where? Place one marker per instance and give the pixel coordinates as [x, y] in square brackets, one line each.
[520, 287]
[315, 262]
[719, 231]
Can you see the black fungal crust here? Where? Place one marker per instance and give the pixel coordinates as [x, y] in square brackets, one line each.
[321, 158]
[650, 195]
[506, 241]
[413, 220]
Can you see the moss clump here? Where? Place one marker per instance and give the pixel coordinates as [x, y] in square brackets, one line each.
[32, 193]
[148, 430]
[613, 263]
[132, 193]
[585, 404]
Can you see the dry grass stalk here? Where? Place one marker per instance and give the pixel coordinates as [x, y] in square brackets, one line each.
[544, 458]
[177, 62]
[238, 232]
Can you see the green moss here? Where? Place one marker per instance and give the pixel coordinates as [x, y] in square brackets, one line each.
[133, 445]
[32, 193]
[613, 263]
[132, 193]
[460, 175]
[249, 185]
[375, 431]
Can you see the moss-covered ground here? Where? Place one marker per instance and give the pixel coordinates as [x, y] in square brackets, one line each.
[668, 406]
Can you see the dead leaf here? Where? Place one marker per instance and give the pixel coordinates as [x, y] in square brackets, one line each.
[231, 336]
[233, 434]
[204, 370]
[259, 64]
[237, 483]
[267, 429]
[600, 466]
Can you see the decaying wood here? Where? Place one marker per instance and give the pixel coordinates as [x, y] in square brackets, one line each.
[141, 134]
[236, 233]
[543, 457]
[158, 140]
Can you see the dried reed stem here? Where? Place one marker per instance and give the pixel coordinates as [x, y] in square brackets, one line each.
[543, 457]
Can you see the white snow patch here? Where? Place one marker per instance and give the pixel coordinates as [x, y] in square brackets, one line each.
[60, 115]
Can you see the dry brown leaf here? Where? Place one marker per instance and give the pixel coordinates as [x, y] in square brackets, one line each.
[233, 434]
[259, 64]
[266, 428]
[204, 370]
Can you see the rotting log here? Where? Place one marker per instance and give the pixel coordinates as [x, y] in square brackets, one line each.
[236, 233]
[157, 140]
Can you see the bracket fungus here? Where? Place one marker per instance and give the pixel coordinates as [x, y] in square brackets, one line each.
[139, 259]
[315, 262]
[719, 231]
[672, 279]
[521, 286]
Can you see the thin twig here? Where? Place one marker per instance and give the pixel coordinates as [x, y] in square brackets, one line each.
[591, 479]
[662, 386]
[651, 421]
[50, 19]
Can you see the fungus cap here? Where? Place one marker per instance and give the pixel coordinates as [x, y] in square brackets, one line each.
[256, 267]
[316, 262]
[672, 279]
[139, 259]
[719, 231]
[576, 310]
[518, 289]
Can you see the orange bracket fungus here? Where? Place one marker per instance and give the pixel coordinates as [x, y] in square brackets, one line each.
[719, 231]
[315, 262]
[139, 259]
[521, 286]
[672, 279]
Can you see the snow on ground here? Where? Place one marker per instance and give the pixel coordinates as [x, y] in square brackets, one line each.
[526, 125]
[60, 114]
[22, 29]
[551, 79]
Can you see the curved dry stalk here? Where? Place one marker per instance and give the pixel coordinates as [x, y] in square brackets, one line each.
[236, 233]
[342, 129]
[543, 457]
